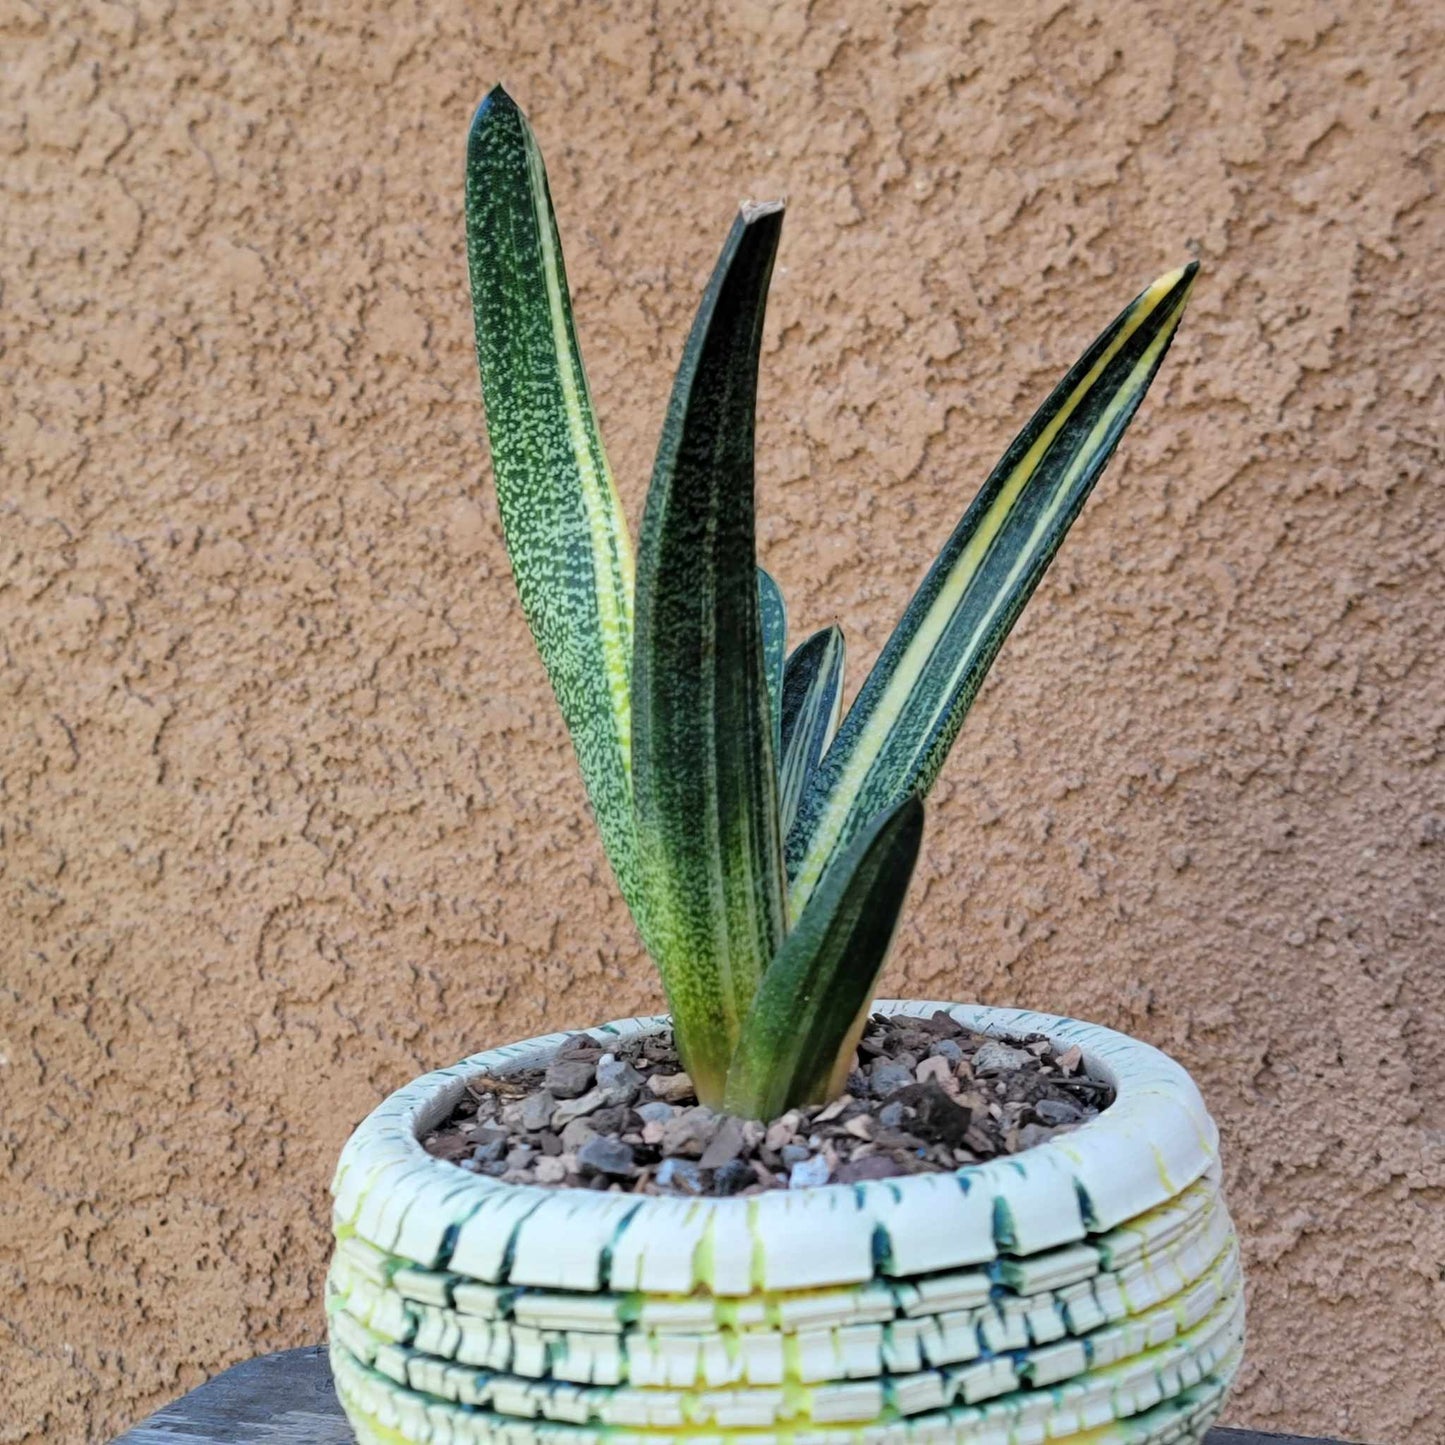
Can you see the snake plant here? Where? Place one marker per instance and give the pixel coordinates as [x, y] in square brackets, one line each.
[763, 847]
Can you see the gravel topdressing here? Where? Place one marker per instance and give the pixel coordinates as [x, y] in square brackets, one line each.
[925, 1095]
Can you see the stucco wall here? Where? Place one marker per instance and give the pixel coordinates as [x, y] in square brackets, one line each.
[286, 811]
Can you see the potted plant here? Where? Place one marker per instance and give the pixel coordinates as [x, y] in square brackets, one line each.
[783, 1209]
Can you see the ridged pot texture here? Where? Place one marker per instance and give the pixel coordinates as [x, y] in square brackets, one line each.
[1086, 1291]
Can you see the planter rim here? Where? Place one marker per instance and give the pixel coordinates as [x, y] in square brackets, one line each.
[1153, 1142]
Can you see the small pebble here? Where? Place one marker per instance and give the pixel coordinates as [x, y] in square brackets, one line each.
[581, 1046]
[891, 1116]
[871, 1166]
[671, 1087]
[1054, 1112]
[996, 1057]
[490, 1150]
[792, 1154]
[782, 1130]
[681, 1175]
[1034, 1134]
[533, 1113]
[570, 1109]
[763, 1174]
[732, 1177]
[690, 1132]
[936, 1068]
[614, 1119]
[550, 1169]
[612, 1070]
[600, 1155]
[887, 1076]
[654, 1111]
[569, 1078]
[617, 1079]
[725, 1145]
[808, 1173]
[576, 1134]
[947, 1049]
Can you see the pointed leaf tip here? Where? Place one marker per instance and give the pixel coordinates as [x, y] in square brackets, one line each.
[496, 104]
[1179, 276]
[751, 212]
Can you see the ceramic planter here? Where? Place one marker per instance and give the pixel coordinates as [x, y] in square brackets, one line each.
[1085, 1291]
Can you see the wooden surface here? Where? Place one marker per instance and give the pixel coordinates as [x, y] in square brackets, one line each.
[286, 1399]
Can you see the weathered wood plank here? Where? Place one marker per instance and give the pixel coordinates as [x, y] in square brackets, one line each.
[281, 1399]
[287, 1399]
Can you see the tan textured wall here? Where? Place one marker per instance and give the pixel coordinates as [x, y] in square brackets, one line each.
[286, 811]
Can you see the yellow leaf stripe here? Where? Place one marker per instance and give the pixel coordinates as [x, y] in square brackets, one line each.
[612, 560]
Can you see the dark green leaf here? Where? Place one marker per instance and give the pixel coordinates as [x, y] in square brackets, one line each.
[703, 768]
[812, 700]
[823, 978]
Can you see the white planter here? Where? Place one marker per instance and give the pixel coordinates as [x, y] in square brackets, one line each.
[1087, 1290]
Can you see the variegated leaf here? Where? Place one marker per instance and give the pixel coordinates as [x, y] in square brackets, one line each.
[812, 702]
[564, 527]
[894, 739]
[774, 612]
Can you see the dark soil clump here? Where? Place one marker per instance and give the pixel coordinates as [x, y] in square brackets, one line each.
[925, 1095]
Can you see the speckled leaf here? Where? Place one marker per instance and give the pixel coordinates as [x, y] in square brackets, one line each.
[702, 758]
[816, 989]
[773, 611]
[563, 523]
[909, 711]
[811, 704]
